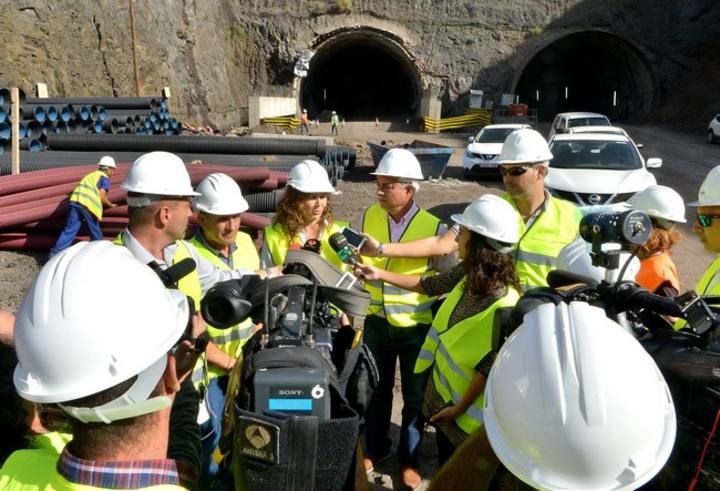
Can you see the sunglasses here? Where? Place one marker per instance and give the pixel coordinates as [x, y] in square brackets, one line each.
[516, 170]
[706, 220]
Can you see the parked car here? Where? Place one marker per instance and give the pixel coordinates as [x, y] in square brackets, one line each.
[483, 150]
[713, 132]
[564, 121]
[597, 169]
[610, 130]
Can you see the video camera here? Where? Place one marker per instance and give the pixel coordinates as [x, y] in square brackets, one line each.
[627, 228]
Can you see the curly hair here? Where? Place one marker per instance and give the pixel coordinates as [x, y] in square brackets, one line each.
[487, 270]
[288, 212]
[661, 239]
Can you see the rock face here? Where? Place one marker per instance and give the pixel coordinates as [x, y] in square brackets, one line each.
[214, 54]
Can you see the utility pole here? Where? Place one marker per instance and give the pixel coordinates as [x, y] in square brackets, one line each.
[136, 73]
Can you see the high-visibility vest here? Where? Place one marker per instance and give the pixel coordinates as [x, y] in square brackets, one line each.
[35, 470]
[539, 246]
[245, 255]
[457, 351]
[87, 194]
[278, 243]
[708, 285]
[190, 285]
[52, 440]
[402, 308]
[656, 270]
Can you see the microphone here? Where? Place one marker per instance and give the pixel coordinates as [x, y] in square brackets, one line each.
[312, 245]
[170, 276]
[344, 251]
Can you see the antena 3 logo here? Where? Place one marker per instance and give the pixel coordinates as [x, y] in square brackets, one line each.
[258, 440]
[258, 436]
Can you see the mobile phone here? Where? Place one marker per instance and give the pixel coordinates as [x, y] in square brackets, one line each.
[354, 238]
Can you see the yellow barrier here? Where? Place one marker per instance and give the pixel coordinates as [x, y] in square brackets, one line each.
[282, 121]
[472, 118]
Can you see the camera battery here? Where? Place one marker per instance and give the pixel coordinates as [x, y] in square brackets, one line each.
[295, 391]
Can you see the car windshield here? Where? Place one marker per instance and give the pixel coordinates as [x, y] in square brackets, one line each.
[592, 121]
[594, 154]
[493, 135]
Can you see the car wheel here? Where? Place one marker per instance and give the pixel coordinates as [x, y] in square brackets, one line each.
[710, 136]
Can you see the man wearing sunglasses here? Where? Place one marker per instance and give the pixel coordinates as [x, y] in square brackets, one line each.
[707, 226]
[548, 224]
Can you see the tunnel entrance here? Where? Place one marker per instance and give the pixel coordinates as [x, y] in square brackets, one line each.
[362, 76]
[588, 71]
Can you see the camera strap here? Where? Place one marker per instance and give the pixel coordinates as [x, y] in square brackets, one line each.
[302, 453]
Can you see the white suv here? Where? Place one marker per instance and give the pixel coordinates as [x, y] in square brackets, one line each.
[483, 150]
[564, 121]
[713, 132]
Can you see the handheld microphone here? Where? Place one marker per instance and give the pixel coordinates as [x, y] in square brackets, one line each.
[171, 275]
[312, 245]
[346, 253]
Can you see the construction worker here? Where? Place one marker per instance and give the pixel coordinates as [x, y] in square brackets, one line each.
[159, 208]
[334, 121]
[86, 205]
[459, 344]
[547, 224]
[398, 319]
[219, 240]
[303, 215]
[304, 123]
[114, 376]
[666, 209]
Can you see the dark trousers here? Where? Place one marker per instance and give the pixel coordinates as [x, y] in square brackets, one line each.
[389, 343]
[77, 214]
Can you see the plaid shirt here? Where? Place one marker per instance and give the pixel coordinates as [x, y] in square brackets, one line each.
[126, 474]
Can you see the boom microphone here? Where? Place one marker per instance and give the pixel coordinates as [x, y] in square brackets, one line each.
[170, 276]
[346, 253]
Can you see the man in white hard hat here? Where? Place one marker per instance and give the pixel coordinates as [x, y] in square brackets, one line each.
[86, 205]
[115, 378]
[398, 319]
[219, 240]
[547, 223]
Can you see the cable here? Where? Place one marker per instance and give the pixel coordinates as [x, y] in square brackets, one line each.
[695, 478]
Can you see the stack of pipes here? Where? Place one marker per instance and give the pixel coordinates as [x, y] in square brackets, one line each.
[33, 205]
[127, 115]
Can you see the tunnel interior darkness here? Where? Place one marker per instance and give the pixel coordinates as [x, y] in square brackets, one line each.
[361, 78]
[588, 71]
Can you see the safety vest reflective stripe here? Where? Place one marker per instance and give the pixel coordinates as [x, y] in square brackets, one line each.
[230, 340]
[402, 308]
[536, 254]
[278, 243]
[456, 351]
[87, 194]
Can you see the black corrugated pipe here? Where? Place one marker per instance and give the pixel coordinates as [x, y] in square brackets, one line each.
[195, 144]
[106, 102]
[264, 202]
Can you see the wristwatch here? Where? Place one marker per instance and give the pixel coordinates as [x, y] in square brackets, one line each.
[381, 250]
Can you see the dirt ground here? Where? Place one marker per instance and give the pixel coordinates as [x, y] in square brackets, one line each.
[687, 158]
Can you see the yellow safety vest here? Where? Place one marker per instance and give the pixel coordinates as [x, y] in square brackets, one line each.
[402, 308]
[278, 243]
[87, 194]
[539, 246]
[457, 350]
[35, 470]
[244, 256]
[53, 440]
[190, 285]
[708, 285]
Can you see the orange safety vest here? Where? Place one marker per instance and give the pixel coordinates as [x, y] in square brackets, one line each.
[656, 270]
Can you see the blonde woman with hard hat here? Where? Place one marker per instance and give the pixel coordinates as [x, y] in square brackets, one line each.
[458, 346]
[303, 218]
[666, 209]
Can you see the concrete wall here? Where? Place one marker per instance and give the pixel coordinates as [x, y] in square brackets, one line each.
[260, 107]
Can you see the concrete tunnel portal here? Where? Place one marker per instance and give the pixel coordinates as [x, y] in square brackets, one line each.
[362, 74]
[588, 71]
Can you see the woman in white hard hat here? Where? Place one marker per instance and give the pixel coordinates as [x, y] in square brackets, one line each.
[666, 209]
[303, 218]
[459, 344]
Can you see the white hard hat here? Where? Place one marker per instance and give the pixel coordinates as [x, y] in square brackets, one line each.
[310, 177]
[220, 195]
[69, 348]
[575, 257]
[709, 194]
[573, 401]
[399, 162]
[524, 146]
[107, 161]
[159, 173]
[660, 202]
[492, 217]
